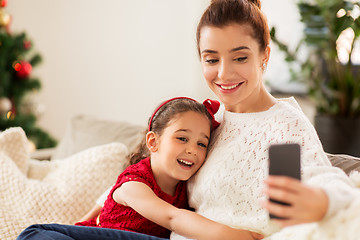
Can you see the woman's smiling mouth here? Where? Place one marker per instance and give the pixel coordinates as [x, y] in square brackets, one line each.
[229, 87]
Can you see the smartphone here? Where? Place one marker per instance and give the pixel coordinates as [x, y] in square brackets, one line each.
[284, 160]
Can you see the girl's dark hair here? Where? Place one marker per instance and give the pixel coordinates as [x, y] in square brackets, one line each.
[161, 120]
[221, 13]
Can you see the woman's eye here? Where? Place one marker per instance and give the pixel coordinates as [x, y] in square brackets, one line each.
[211, 61]
[240, 59]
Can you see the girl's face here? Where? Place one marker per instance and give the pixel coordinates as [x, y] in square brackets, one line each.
[181, 149]
[232, 65]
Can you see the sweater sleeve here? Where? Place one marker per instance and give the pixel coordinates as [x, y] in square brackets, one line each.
[318, 171]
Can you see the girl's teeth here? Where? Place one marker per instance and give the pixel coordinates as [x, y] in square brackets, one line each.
[185, 162]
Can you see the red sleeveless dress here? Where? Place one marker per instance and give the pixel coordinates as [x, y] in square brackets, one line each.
[118, 216]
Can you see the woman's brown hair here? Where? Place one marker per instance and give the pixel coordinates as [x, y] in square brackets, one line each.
[221, 13]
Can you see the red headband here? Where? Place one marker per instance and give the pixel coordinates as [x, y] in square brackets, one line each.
[211, 105]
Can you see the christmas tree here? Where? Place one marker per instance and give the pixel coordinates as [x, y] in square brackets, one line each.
[16, 83]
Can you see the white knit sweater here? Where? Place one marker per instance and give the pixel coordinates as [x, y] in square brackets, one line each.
[228, 187]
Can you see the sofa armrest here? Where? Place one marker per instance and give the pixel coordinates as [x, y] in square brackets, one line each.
[42, 154]
[345, 162]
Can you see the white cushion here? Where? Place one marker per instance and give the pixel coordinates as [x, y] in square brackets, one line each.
[84, 132]
[20, 152]
[55, 191]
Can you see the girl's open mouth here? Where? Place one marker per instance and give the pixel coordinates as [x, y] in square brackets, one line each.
[185, 163]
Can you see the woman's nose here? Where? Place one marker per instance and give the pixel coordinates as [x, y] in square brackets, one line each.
[225, 70]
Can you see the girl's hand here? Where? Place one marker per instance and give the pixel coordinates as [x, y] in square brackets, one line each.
[239, 234]
[307, 204]
[256, 236]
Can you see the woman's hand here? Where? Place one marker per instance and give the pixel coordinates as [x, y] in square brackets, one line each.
[307, 204]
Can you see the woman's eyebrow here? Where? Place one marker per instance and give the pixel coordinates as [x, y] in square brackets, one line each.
[208, 51]
[231, 50]
[239, 48]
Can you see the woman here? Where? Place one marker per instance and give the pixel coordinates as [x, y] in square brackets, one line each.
[233, 44]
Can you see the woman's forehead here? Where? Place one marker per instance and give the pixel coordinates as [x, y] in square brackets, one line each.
[226, 38]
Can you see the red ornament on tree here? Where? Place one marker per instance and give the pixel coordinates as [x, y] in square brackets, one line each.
[3, 3]
[27, 44]
[23, 69]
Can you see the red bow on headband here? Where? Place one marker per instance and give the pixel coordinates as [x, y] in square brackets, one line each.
[211, 105]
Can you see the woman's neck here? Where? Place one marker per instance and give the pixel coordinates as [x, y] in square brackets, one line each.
[258, 101]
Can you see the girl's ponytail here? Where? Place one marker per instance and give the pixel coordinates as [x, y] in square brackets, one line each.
[140, 152]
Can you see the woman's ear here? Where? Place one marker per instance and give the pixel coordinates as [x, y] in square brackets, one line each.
[151, 141]
[267, 54]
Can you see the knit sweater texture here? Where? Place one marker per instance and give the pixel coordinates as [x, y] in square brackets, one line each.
[228, 187]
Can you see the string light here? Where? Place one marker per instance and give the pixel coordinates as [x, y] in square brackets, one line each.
[10, 115]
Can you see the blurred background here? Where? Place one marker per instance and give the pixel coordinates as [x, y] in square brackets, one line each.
[117, 59]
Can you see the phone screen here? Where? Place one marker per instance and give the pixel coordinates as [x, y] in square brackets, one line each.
[284, 160]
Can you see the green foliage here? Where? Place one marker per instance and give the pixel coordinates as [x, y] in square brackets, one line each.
[15, 48]
[334, 85]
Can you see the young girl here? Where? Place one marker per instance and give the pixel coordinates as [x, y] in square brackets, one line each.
[150, 196]
[173, 150]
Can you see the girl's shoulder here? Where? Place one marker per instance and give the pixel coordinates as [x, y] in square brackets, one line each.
[140, 172]
[142, 168]
[142, 165]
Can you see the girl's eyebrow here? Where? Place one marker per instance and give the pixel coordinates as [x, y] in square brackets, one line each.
[187, 130]
[231, 50]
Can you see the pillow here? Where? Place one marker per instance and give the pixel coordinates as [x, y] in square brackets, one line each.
[63, 194]
[19, 150]
[345, 162]
[86, 131]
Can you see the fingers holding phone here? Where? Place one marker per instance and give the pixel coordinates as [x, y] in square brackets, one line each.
[304, 203]
[290, 201]
[284, 160]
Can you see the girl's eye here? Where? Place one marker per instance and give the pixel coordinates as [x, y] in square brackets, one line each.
[240, 59]
[202, 145]
[182, 139]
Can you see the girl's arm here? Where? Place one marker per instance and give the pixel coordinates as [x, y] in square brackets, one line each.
[143, 200]
[93, 213]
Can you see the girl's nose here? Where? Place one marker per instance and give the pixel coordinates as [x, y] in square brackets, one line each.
[191, 150]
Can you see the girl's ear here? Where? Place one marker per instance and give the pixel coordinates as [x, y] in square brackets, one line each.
[151, 141]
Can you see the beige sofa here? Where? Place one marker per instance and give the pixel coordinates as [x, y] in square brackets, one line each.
[86, 162]
[84, 132]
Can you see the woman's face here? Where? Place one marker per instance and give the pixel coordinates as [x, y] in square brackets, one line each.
[232, 65]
